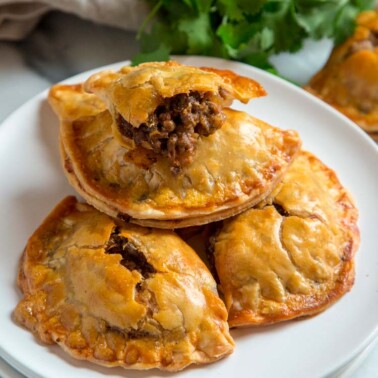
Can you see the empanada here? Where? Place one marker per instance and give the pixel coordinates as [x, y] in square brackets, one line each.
[349, 80]
[118, 294]
[167, 106]
[232, 169]
[293, 254]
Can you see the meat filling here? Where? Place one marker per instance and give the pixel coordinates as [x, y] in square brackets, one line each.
[132, 258]
[175, 126]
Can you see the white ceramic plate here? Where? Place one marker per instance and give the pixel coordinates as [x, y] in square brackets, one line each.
[32, 183]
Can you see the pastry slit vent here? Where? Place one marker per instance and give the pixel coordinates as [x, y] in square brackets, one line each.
[173, 129]
[132, 258]
[280, 210]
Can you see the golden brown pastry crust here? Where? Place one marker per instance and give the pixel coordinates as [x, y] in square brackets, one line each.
[349, 80]
[118, 294]
[135, 92]
[233, 169]
[166, 106]
[292, 255]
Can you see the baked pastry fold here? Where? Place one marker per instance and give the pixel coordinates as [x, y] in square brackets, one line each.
[349, 80]
[118, 294]
[293, 254]
[232, 170]
[167, 106]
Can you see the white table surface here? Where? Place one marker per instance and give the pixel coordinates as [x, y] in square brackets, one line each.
[64, 45]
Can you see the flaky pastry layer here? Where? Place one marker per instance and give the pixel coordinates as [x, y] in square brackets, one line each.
[135, 92]
[166, 106]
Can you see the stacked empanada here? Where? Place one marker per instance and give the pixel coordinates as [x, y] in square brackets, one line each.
[169, 179]
[158, 145]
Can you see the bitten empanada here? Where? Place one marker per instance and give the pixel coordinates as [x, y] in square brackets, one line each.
[349, 80]
[232, 169]
[293, 254]
[167, 106]
[118, 294]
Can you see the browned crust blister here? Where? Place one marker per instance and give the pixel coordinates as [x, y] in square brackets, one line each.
[293, 255]
[118, 294]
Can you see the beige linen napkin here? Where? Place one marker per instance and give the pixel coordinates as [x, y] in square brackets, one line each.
[18, 17]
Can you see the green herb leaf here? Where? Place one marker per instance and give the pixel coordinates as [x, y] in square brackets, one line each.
[250, 7]
[281, 19]
[345, 23]
[161, 54]
[230, 9]
[198, 32]
[246, 30]
[163, 34]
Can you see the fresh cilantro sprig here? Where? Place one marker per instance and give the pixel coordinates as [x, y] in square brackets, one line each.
[245, 30]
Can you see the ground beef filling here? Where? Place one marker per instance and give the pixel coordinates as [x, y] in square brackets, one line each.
[175, 126]
[132, 258]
